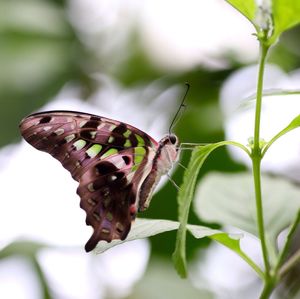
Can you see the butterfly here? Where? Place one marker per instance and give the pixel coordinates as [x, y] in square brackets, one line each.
[117, 165]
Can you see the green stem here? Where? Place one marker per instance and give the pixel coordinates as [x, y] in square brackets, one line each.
[250, 262]
[256, 160]
[292, 262]
[263, 54]
[288, 241]
[267, 290]
[42, 279]
[271, 277]
[259, 212]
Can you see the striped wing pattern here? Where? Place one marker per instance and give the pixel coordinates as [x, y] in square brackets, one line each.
[109, 159]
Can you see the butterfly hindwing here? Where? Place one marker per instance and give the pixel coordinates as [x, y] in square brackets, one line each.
[106, 196]
[108, 192]
[108, 158]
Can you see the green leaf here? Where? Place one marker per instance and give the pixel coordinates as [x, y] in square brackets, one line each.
[26, 248]
[231, 241]
[246, 7]
[295, 123]
[142, 228]
[286, 14]
[250, 100]
[185, 197]
[229, 199]
[286, 245]
[29, 250]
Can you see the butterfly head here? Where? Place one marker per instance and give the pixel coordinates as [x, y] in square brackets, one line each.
[170, 140]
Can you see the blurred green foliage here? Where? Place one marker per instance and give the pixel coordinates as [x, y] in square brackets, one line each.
[40, 52]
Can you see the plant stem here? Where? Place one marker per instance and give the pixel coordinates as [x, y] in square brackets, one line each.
[259, 212]
[293, 261]
[263, 54]
[46, 294]
[267, 290]
[256, 160]
[288, 241]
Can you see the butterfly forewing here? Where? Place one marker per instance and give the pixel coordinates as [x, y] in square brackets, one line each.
[77, 139]
[110, 160]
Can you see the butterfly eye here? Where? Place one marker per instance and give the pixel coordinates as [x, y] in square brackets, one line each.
[173, 139]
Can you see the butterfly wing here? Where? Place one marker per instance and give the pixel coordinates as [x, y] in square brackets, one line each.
[108, 158]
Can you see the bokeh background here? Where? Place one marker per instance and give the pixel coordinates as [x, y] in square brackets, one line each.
[128, 60]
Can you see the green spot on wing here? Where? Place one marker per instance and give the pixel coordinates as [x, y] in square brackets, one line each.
[112, 127]
[134, 167]
[79, 144]
[127, 133]
[110, 152]
[140, 140]
[94, 150]
[139, 153]
[111, 139]
[128, 143]
[109, 216]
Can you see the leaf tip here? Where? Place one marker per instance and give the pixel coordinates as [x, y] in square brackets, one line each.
[179, 265]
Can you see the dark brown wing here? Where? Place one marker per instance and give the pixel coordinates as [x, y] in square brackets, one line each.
[110, 159]
[108, 192]
[78, 139]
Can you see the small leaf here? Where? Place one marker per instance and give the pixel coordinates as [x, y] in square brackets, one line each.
[144, 228]
[286, 14]
[141, 228]
[283, 14]
[25, 248]
[231, 241]
[250, 100]
[185, 197]
[246, 7]
[295, 123]
[229, 199]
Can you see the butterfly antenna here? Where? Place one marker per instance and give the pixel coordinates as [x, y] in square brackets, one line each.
[182, 105]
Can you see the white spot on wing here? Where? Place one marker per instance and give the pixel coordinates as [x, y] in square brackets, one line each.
[93, 134]
[91, 187]
[59, 131]
[101, 126]
[82, 123]
[70, 137]
[113, 177]
[118, 161]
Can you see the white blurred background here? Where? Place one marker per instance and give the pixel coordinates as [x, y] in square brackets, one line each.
[128, 60]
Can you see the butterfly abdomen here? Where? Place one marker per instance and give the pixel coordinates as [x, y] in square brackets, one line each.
[166, 155]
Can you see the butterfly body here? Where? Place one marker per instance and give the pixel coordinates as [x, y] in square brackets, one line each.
[117, 165]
